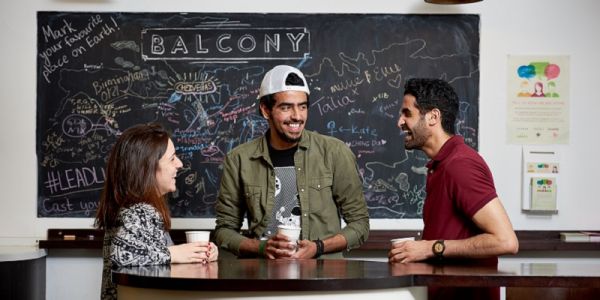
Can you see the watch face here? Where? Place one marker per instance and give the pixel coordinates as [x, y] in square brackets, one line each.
[438, 248]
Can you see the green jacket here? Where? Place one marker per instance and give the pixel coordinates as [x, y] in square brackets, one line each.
[328, 186]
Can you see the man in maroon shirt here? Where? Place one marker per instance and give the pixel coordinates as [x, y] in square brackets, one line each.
[463, 217]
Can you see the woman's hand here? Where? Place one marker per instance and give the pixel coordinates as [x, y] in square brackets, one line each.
[196, 252]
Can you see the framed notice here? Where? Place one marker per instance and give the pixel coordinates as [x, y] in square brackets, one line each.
[538, 100]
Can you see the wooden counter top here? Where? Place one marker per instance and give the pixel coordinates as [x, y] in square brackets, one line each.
[264, 275]
[508, 274]
[331, 275]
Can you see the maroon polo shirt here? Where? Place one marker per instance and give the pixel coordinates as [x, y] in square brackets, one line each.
[459, 183]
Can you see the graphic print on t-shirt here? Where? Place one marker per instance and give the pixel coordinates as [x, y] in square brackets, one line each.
[286, 208]
[277, 186]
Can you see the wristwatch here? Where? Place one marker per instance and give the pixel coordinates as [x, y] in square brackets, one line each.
[438, 249]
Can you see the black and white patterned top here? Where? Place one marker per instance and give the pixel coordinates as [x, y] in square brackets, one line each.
[286, 207]
[138, 240]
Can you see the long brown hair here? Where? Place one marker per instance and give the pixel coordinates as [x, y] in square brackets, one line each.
[131, 174]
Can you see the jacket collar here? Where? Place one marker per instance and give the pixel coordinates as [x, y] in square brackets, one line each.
[263, 147]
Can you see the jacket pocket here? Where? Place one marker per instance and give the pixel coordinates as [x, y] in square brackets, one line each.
[252, 197]
[320, 194]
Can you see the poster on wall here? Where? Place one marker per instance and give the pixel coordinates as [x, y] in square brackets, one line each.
[538, 100]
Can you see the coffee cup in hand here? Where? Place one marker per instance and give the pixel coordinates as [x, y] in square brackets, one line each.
[197, 236]
[400, 240]
[291, 232]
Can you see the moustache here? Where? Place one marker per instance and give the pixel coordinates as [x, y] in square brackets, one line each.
[301, 122]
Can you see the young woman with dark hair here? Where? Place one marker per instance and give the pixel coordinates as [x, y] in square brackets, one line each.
[133, 211]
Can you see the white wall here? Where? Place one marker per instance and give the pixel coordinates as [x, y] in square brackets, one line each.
[507, 27]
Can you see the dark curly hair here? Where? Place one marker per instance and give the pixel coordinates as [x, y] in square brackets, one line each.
[434, 93]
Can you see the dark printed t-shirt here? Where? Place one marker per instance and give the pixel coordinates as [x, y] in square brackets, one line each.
[286, 208]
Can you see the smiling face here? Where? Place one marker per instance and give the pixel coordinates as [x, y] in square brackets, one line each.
[413, 124]
[287, 118]
[166, 172]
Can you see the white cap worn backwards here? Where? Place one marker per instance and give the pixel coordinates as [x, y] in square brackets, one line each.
[274, 81]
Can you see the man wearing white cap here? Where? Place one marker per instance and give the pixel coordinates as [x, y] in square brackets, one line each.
[290, 177]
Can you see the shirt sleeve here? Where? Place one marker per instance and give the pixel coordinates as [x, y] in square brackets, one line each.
[140, 240]
[349, 196]
[229, 208]
[472, 184]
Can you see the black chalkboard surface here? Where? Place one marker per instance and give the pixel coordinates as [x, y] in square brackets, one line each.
[199, 73]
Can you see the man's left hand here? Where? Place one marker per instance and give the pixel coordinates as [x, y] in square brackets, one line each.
[306, 249]
[410, 251]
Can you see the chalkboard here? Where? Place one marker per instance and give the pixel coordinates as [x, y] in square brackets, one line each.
[199, 73]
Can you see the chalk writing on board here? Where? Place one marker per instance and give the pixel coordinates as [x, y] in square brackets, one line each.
[198, 74]
[220, 44]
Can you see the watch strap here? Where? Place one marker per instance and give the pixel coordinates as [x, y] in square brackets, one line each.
[320, 248]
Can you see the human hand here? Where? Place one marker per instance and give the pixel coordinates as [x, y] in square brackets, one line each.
[409, 251]
[213, 252]
[306, 249]
[195, 252]
[279, 246]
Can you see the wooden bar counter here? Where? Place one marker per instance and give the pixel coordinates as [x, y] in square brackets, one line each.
[266, 279]
[571, 277]
[339, 279]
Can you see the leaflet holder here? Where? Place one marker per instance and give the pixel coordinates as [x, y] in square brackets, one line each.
[540, 179]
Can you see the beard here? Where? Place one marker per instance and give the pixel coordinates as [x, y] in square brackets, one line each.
[289, 139]
[417, 136]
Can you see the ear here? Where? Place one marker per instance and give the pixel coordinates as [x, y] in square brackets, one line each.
[434, 117]
[264, 111]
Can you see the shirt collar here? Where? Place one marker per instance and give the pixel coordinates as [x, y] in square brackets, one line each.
[263, 149]
[304, 140]
[446, 149]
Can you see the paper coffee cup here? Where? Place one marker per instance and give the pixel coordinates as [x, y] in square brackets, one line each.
[293, 233]
[197, 236]
[398, 240]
